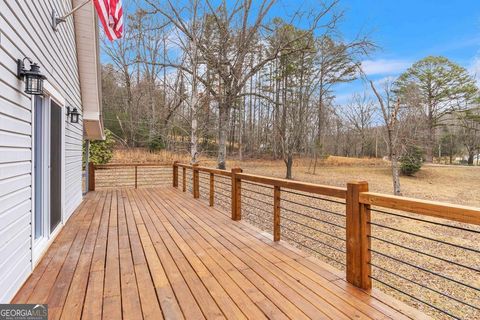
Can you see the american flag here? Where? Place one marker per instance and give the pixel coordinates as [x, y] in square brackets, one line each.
[110, 13]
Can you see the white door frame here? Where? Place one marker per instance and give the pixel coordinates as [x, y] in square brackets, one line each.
[39, 247]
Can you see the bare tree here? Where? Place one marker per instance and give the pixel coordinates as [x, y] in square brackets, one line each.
[236, 30]
[469, 127]
[390, 110]
[336, 62]
[359, 113]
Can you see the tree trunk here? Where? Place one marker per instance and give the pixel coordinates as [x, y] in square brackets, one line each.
[289, 164]
[194, 141]
[470, 157]
[395, 175]
[430, 142]
[222, 136]
[241, 130]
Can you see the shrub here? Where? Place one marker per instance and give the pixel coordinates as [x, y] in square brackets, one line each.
[156, 144]
[101, 151]
[411, 161]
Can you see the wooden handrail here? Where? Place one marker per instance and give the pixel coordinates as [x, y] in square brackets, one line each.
[175, 175]
[330, 191]
[435, 209]
[212, 190]
[196, 182]
[128, 165]
[236, 194]
[276, 213]
[91, 176]
[206, 169]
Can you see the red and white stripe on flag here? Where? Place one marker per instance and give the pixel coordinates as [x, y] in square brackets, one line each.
[110, 13]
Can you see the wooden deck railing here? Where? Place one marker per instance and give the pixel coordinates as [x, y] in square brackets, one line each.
[371, 249]
[128, 175]
[424, 251]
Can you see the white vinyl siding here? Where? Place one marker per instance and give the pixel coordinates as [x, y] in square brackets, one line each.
[25, 31]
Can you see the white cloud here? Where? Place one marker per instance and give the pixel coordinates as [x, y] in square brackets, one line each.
[385, 80]
[474, 68]
[384, 66]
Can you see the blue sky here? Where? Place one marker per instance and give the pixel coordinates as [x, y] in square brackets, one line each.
[405, 31]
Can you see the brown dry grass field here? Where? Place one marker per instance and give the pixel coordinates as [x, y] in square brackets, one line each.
[437, 264]
[453, 184]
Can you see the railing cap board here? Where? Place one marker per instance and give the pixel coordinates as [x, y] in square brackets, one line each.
[206, 169]
[116, 165]
[336, 192]
[435, 209]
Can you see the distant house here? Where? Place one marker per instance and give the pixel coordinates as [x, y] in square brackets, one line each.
[40, 145]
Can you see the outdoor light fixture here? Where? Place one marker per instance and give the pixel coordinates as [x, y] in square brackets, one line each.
[33, 77]
[73, 113]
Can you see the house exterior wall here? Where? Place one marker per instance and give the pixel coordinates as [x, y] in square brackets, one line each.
[25, 31]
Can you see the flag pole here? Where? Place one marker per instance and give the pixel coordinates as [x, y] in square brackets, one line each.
[57, 20]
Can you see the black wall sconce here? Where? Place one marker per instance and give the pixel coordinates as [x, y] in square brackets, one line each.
[33, 77]
[73, 113]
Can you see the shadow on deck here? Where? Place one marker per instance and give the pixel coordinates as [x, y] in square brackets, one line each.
[157, 252]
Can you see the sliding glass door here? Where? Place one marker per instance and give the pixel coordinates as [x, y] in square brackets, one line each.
[39, 168]
[47, 171]
[55, 165]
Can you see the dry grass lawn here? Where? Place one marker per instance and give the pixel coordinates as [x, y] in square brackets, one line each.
[454, 184]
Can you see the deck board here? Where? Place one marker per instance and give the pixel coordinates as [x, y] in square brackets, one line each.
[158, 253]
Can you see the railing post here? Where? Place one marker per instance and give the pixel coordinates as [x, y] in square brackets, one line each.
[91, 176]
[357, 235]
[236, 195]
[184, 179]
[136, 177]
[212, 189]
[175, 174]
[196, 181]
[276, 213]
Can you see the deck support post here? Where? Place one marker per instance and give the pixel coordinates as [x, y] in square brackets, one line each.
[236, 195]
[357, 235]
[91, 176]
[196, 181]
[184, 179]
[212, 189]
[136, 175]
[276, 213]
[175, 174]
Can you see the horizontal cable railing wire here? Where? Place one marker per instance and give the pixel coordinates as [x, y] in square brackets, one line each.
[429, 262]
[257, 205]
[315, 208]
[425, 287]
[132, 175]
[314, 218]
[312, 228]
[414, 298]
[425, 237]
[426, 254]
[314, 197]
[305, 219]
[426, 221]
[310, 249]
[314, 239]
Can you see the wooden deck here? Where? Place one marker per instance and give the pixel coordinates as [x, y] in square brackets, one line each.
[157, 252]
